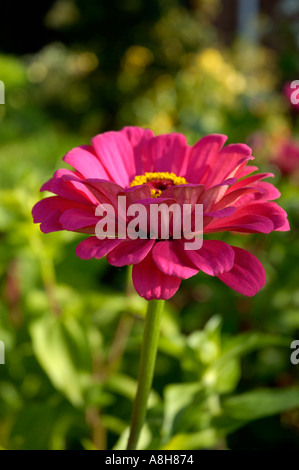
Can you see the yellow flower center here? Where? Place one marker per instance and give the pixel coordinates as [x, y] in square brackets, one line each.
[158, 181]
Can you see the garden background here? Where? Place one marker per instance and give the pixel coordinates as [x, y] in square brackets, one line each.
[72, 329]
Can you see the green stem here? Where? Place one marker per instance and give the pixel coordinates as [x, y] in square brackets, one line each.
[146, 368]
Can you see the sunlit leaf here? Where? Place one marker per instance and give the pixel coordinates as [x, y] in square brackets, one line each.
[61, 346]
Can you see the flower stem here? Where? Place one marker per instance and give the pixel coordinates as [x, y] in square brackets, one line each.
[146, 368]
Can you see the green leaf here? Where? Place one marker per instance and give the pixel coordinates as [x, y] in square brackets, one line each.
[143, 442]
[200, 440]
[260, 403]
[227, 377]
[61, 347]
[177, 398]
[246, 343]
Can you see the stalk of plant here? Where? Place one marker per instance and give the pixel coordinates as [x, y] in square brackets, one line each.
[146, 369]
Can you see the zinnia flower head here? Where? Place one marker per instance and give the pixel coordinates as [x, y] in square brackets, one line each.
[287, 156]
[165, 169]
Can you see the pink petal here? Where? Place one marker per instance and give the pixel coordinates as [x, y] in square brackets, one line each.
[92, 247]
[105, 192]
[130, 252]
[260, 192]
[59, 174]
[228, 162]
[48, 212]
[268, 192]
[151, 283]
[170, 257]
[284, 228]
[246, 171]
[201, 154]
[74, 219]
[67, 184]
[52, 223]
[250, 181]
[248, 224]
[86, 162]
[42, 208]
[116, 154]
[136, 194]
[257, 217]
[218, 164]
[185, 194]
[271, 210]
[247, 275]
[166, 153]
[137, 136]
[213, 258]
[233, 197]
[214, 194]
[220, 213]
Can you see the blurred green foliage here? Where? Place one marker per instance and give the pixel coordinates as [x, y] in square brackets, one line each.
[72, 329]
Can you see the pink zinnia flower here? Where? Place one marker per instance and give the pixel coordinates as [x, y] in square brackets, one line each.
[135, 163]
[287, 156]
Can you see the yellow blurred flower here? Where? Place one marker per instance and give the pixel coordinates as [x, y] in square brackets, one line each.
[136, 59]
[161, 123]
